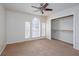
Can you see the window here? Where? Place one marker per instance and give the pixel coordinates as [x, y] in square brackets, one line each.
[27, 29]
[43, 29]
[35, 27]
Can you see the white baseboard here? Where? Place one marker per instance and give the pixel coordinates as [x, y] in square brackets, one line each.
[30, 39]
[2, 49]
[77, 48]
[63, 41]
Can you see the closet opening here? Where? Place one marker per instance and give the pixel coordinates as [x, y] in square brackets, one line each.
[62, 29]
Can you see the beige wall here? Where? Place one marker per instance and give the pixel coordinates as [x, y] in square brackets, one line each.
[16, 25]
[2, 29]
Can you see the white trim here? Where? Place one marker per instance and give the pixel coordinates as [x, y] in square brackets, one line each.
[29, 39]
[2, 49]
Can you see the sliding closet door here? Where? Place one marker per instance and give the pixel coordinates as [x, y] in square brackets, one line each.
[35, 27]
[62, 29]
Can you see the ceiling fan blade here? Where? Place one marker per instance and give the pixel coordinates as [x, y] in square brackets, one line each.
[48, 9]
[36, 10]
[45, 5]
[35, 7]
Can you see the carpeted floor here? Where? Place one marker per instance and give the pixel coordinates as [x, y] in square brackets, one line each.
[41, 47]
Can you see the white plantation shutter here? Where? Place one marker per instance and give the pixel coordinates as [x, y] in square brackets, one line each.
[43, 29]
[35, 28]
[27, 29]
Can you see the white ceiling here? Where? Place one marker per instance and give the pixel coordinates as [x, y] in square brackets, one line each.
[26, 7]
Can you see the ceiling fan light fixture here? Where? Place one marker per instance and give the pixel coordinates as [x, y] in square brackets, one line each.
[43, 8]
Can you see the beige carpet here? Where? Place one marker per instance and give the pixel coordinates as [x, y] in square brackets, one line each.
[41, 47]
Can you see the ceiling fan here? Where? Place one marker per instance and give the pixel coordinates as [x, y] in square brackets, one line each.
[42, 8]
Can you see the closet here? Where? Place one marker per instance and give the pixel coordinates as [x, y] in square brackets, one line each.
[62, 29]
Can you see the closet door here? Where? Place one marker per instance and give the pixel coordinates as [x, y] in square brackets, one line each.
[62, 29]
